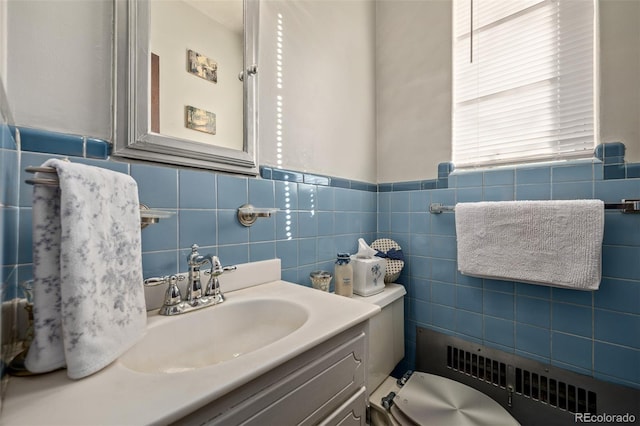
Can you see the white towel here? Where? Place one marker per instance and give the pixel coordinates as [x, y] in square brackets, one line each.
[556, 243]
[89, 303]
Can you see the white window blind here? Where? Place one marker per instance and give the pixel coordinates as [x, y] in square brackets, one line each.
[523, 81]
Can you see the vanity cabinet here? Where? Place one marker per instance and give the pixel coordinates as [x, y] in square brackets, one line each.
[324, 385]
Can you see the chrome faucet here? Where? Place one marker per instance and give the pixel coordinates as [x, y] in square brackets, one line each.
[195, 260]
[174, 304]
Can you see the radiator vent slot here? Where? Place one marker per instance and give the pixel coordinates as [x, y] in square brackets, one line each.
[477, 366]
[555, 392]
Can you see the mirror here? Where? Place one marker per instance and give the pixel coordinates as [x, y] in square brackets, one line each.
[185, 82]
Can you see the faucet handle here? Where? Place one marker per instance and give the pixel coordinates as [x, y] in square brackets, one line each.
[152, 282]
[219, 271]
[213, 287]
[217, 268]
[172, 296]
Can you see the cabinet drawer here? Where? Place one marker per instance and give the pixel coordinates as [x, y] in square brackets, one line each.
[321, 393]
[351, 413]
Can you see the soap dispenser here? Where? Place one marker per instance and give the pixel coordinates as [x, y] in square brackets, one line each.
[344, 275]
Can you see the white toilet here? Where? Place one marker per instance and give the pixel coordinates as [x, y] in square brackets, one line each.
[425, 399]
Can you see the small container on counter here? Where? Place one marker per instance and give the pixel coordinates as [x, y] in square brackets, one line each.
[344, 275]
[320, 280]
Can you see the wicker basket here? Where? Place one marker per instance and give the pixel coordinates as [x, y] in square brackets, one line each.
[320, 280]
[394, 266]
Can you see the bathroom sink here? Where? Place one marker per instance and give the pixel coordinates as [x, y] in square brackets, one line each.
[213, 335]
[266, 327]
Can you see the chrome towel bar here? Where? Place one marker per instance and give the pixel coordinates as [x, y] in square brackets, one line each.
[625, 206]
[147, 216]
[48, 181]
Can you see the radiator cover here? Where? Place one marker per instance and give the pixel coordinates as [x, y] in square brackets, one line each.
[533, 392]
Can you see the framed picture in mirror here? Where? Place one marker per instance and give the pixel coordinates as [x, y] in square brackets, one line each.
[201, 66]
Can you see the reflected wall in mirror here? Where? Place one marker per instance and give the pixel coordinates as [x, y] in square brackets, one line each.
[181, 96]
[198, 62]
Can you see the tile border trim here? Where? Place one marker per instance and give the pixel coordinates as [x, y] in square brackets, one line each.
[272, 173]
[49, 142]
[44, 141]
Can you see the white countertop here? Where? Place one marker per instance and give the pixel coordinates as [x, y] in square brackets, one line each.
[120, 396]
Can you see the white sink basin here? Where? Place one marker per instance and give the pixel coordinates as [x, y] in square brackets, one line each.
[213, 335]
[263, 324]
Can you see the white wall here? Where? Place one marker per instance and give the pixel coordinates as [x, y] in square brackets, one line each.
[59, 72]
[620, 74]
[327, 89]
[59, 65]
[413, 82]
[176, 27]
[3, 40]
[414, 91]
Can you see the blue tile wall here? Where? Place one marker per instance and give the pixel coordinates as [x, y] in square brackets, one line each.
[315, 220]
[9, 225]
[9, 205]
[594, 333]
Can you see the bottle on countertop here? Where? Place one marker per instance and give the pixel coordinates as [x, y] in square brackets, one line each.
[343, 275]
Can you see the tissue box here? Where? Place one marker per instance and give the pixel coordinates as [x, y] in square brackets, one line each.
[368, 275]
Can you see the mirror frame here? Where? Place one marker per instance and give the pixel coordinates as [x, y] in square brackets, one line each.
[131, 109]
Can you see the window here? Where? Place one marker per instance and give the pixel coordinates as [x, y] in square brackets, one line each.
[523, 81]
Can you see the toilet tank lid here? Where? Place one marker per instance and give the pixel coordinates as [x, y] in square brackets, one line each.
[391, 293]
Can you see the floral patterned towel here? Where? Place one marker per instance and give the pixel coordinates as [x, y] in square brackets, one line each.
[89, 303]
